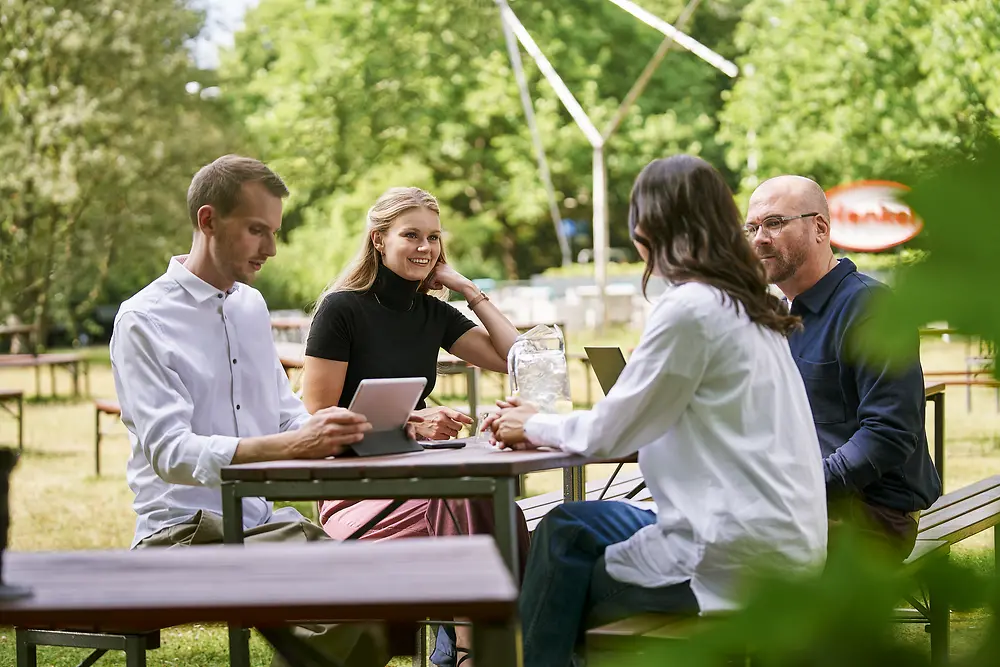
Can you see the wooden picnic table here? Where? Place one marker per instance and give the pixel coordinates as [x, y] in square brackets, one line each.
[270, 586]
[74, 363]
[473, 471]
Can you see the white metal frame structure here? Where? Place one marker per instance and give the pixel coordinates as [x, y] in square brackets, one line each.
[597, 139]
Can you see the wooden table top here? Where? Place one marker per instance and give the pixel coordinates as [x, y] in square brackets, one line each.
[261, 585]
[41, 359]
[471, 461]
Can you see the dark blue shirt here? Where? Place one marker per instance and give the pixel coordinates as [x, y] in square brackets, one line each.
[869, 418]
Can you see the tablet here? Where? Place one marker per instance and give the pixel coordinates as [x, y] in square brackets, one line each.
[387, 402]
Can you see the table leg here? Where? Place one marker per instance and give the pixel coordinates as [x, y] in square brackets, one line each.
[472, 389]
[939, 436]
[52, 378]
[232, 515]
[573, 484]
[506, 523]
[20, 422]
[232, 533]
[75, 370]
[38, 381]
[497, 644]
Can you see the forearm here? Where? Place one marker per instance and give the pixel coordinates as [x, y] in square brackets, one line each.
[502, 332]
[865, 457]
[277, 447]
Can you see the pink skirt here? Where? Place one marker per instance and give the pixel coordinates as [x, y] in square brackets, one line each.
[418, 518]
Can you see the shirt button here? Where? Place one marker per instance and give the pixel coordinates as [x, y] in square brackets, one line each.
[234, 361]
[237, 407]
[219, 295]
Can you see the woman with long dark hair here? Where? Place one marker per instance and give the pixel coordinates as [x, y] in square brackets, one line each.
[714, 405]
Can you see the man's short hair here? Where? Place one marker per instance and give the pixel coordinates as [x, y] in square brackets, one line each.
[219, 183]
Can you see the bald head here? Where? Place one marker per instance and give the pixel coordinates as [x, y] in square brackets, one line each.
[803, 193]
[796, 252]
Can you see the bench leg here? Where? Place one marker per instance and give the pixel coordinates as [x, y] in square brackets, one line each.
[27, 652]
[97, 442]
[135, 652]
[239, 647]
[939, 618]
[52, 379]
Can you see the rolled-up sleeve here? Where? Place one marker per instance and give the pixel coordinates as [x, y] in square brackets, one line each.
[292, 413]
[652, 393]
[157, 407]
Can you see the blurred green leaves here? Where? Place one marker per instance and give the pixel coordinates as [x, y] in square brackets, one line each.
[958, 197]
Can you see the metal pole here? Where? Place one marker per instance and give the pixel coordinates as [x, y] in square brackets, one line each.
[514, 53]
[647, 73]
[564, 94]
[600, 203]
[694, 46]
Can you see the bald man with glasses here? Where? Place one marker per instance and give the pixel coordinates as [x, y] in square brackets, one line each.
[869, 417]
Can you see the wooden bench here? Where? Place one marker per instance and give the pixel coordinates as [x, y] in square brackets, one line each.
[954, 517]
[74, 363]
[398, 581]
[102, 407]
[16, 396]
[622, 485]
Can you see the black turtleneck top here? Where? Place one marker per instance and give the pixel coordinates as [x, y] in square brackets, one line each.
[389, 331]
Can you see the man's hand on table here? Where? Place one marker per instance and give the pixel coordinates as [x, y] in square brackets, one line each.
[507, 425]
[438, 423]
[328, 432]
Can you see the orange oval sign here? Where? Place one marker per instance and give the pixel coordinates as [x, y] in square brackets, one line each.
[867, 216]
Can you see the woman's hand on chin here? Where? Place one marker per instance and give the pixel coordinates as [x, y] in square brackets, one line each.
[444, 276]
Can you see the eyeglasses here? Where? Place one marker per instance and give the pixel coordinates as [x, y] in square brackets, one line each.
[772, 225]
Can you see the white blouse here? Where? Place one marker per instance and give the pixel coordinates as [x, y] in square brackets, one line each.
[717, 410]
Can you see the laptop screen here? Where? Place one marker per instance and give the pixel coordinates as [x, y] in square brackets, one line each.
[608, 364]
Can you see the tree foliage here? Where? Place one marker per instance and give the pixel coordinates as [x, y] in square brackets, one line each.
[842, 90]
[98, 140]
[338, 92]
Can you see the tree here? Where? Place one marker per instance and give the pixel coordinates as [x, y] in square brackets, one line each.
[98, 140]
[332, 90]
[842, 90]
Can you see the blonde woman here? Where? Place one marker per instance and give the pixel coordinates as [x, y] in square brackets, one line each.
[378, 320]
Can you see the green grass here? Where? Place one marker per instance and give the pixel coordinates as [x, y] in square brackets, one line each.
[59, 504]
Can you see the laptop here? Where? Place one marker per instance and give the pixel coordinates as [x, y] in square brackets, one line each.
[608, 363]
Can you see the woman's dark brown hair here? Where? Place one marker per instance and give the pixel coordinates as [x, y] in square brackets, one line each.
[683, 213]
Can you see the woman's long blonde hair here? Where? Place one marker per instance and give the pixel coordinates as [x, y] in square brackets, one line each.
[360, 273]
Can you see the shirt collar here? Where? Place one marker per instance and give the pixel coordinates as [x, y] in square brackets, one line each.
[195, 286]
[814, 298]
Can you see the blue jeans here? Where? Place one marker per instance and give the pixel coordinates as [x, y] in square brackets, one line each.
[567, 588]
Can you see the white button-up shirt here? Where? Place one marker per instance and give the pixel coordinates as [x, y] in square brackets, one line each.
[717, 410]
[195, 369]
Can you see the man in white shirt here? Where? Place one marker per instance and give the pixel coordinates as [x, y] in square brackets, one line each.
[201, 386]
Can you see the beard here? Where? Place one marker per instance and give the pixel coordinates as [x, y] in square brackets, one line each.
[784, 264]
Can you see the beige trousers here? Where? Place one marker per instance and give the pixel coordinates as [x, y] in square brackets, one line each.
[353, 645]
